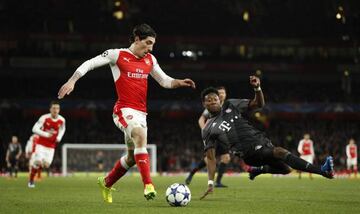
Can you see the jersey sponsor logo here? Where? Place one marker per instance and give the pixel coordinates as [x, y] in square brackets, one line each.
[228, 110]
[105, 54]
[225, 126]
[137, 75]
[129, 117]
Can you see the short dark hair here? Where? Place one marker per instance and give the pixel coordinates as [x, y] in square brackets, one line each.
[54, 102]
[221, 88]
[142, 31]
[207, 91]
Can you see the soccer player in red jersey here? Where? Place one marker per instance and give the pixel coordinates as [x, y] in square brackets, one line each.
[306, 151]
[130, 68]
[351, 154]
[50, 128]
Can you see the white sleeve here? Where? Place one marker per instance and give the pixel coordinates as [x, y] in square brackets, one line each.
[159, 75]
[300, 146]
[61, 132]
[108, 57]
[28, 147]
[312, 149]
[348, 151]
[37, 128]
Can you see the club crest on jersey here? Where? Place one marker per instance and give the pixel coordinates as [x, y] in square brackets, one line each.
[147, 61]
[228, 110]
[129, 117]
[105, 54]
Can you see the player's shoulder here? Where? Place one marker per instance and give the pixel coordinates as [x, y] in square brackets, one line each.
[45, 116]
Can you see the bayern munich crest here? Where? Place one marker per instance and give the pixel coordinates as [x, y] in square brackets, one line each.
[228, 110]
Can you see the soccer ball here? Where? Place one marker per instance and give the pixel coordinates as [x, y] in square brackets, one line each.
[178, 195]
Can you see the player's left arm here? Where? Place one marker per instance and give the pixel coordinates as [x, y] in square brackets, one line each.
[19, 153]
[258, 101]
[61, 132]
[166, 81]
[211, 167]
[312, 149]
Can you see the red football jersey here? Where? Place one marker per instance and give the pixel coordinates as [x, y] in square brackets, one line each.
[131, 86]
[351, 151]
[50, 130]
[306, 147]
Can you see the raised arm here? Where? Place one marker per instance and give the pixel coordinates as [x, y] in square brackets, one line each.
[168, 82]
[108, 57]
[258, 101]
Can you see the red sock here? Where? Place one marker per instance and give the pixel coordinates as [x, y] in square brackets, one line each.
[117, 172]
[39, 173]
[143, 164]
[32, 174]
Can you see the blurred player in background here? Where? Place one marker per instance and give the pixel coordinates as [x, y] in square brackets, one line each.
[221, 150]
[306, 151]
[228, 126]
[351, 154]
[13, 154]
[50, 128]
[29, 151]
[130, 68]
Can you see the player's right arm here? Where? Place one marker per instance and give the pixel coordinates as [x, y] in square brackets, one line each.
[211, 168]
[348, 151]
[108, 57]
[37, 128]
[300, 147]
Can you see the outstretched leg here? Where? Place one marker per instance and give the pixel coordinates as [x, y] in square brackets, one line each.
[299, 164]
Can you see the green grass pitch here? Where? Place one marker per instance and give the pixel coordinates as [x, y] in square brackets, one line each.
[266, 194]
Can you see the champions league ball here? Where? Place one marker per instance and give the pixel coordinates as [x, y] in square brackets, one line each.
[178, 195]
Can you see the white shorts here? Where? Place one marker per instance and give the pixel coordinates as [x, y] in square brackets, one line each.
[42, 154]
[351, 162]
[127, 119]
[308, 158]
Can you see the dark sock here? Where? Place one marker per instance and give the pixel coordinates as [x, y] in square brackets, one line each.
[200, 165]
[300, 164]
[221, 171]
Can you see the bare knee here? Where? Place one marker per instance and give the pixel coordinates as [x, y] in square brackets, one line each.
[280, 152]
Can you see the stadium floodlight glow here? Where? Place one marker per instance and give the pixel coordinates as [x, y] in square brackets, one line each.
[172, 55]
[338, 16]
[117, 3]
[346, 73]
[118, 14]
[246, 16]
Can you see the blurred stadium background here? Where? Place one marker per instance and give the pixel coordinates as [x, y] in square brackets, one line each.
[306, 52]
